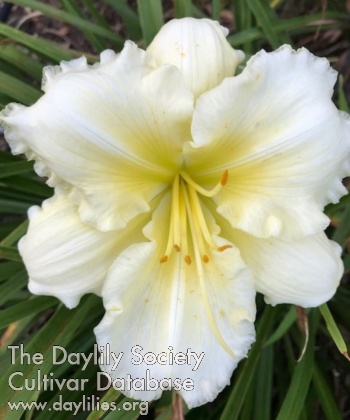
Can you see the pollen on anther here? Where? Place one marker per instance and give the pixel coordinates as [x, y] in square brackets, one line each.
[224, 178]
[177, 248]
[164, 259]
[188, 259]
[205, 258]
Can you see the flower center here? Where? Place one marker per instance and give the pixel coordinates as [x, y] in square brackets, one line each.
[187, 212]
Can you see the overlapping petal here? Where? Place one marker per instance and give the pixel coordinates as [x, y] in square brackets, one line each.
[285, 144]
[201, 307]
[198, 47]
[67, 258]
[305, 272]
[111, 131]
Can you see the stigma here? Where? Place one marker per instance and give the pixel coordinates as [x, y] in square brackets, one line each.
[188, 228]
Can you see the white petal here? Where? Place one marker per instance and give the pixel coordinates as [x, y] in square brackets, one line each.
[67, 258]
[111, 131]
[305, 272]
[198, 47]
[156, 305]
[283, 141]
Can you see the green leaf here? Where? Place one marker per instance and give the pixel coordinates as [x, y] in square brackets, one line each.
[263, 385]
[93, 39]
[215, 9]
[246, 374]
[342, 231]
[9, 268]
[41, 46]
[19, 91]
[10, 169]
[15, 235]
[298, 25]
[266, 19]
[129, 17]
[9, 253]
[21, 310]
[151, 18]
[78, 22]
[21, 60]
[59, 330]
[342, 101]
[284, 326]
[334, 330]
[325, 396]
[9, 288]
[28, 185]
[183, 8]
[293, 403]
[244, 20]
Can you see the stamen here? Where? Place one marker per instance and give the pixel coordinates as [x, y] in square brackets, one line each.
[186, 208]
[203, 191]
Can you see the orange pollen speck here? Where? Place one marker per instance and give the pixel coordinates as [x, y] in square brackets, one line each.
[205, 258]
[177, 248]
[164, 259]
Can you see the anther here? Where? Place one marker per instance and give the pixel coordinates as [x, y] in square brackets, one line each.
[224, 178]
[164, 259]
[223, 247]
[205, 258]
[177, 248]
[188, 259]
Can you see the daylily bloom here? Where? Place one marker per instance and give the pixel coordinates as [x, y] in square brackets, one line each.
[180, 191]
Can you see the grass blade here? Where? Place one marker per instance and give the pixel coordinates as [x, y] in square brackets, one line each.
[266, 18]
[183, 8]
[151, 18]
[10, 169]
[325, 396]
[242, 383]
[293, 403]
[334, 330]
[16, 89]
[129, 17]
[78, 22]
[23, 309]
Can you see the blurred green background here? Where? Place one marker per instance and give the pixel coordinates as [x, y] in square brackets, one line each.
[270, 383]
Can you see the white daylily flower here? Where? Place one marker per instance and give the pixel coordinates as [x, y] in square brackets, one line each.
[180, 192]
